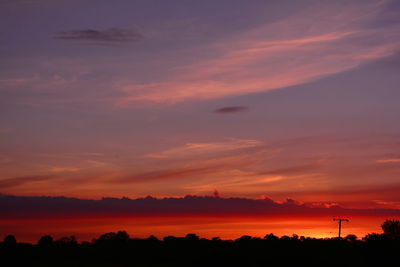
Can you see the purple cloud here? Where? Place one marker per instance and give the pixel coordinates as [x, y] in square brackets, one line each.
[115, 35]
[233, 109]
[49, 207]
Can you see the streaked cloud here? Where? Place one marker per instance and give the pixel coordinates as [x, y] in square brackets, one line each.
[165, 175]
[17, 181]
[292, 170]
[285, 53]
[394, 160]
[388, 204]
[115, 35]
[57, 169]
[350, 196]
[203, 148]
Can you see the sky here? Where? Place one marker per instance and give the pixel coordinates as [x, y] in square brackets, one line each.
[239, 99]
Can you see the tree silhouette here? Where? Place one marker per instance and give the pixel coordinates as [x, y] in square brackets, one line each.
[192, 237]
[391, 228]
[373, 237]
[244, 238]
[113, 238]
[10, 240]
[350, 238]
[271, 237]
[122, 235]
[152, 238]
[118, 249]
[45, 241]
[69, 241]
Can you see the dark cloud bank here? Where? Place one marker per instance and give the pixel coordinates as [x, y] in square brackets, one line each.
[115, 35]
[12, 207]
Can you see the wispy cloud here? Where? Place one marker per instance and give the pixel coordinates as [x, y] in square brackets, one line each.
[388, 204]
[115, 35]
[292, 170]
[57, 169]
[17, 181]
[206, 148]
[288, 52]
[165, 175]
[83, 165]
[38, 82]
[394, 160]
[369, 196]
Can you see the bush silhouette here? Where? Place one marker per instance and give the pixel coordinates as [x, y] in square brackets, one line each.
[45, 241]
[391, 228]
[350, 238]
[271, 237]
[373, 237]
[69, 241]
[112, 238]
[192, 237]
[10, 240]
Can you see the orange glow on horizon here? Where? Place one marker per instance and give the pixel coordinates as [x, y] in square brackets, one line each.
[29, 230]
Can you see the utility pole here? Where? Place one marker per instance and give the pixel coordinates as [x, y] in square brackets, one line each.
[340, 220]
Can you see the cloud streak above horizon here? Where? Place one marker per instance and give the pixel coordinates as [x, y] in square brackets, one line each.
[191, 149]
[17, 181]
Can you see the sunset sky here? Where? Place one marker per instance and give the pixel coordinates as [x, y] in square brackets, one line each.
[261, 100]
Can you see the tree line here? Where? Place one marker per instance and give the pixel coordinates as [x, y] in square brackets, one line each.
[119, 249]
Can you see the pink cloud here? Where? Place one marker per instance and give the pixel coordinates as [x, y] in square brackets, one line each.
[394, 160]
[292, 51]
[192, 149]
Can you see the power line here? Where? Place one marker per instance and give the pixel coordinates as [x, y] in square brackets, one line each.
[340, 220]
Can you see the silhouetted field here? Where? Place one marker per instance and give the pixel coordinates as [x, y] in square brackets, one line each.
[118, 249]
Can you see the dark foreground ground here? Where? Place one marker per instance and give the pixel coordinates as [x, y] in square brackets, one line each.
[117, 249]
